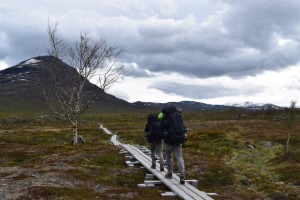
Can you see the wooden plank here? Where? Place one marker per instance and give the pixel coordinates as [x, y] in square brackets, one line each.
[114, 140]
[143, 185]
[189, 189]
[193, 182]
[168, 194]
[129, 157]
[155, 182]
[212, 194]
[168, 182]
[149, 175]
[134, 162]
[129, 164]
[105, 130]
[185, 191]
[178, 179]
[147, 163]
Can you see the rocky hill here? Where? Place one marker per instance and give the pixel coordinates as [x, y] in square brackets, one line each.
[20, 86]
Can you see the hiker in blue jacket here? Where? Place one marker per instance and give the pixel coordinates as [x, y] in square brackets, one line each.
[154, 136]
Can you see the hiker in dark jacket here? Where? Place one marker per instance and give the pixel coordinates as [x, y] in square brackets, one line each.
[174, 136]
[154, 136]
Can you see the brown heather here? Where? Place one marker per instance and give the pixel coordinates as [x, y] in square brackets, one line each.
[38, 161]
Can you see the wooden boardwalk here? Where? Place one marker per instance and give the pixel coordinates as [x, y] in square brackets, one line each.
[185, 191]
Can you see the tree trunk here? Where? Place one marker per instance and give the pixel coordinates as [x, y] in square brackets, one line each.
[288, 141]
[75, 133]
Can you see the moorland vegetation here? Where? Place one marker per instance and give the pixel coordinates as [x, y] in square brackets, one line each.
[38, 160]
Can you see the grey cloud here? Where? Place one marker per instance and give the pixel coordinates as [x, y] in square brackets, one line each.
[22, 44]
[255, 22]
[134, 71]
[203, 91]
[247, 46]
[21, 34]
[241, 63]
[239, 41]
[160, 29]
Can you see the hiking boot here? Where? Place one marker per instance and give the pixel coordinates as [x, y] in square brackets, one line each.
[182, 180]
[168, 175]
[161, 168]
[153, 166]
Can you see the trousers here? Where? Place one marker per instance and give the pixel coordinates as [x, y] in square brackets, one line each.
[156, 148]
[177, 149]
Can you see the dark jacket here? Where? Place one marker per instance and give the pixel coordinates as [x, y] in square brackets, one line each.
[153, 129]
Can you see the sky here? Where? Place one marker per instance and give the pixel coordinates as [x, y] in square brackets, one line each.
[210, 51]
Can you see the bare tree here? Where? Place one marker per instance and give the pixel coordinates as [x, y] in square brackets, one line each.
[291, 120]
[91, 59]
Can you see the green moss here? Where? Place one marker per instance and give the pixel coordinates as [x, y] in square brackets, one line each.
[221, 176]
[106, 161]
[214, 143]
[17, 158]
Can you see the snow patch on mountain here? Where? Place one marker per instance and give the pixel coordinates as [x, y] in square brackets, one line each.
[32, 61]
[246, 104]
[255, 106]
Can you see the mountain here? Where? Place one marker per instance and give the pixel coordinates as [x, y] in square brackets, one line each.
[20, 86]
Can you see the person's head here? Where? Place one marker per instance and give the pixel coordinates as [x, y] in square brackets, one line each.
[152, 117]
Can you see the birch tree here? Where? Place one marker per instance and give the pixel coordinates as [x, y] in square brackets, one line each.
[90, 59]
[291, 120]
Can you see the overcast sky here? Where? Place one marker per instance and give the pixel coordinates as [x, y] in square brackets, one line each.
[211, 51]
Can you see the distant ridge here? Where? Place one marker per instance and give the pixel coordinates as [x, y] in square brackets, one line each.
[198, 106]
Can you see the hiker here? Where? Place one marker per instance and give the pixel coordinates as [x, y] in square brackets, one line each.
[174, 137]
[154, 136]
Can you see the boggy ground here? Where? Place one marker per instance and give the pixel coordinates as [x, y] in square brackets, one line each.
[38, 161]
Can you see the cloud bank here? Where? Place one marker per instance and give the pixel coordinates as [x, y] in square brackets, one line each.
[191, 38]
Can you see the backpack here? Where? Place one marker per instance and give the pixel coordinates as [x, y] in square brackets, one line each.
[155, 132]
[174, 129]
